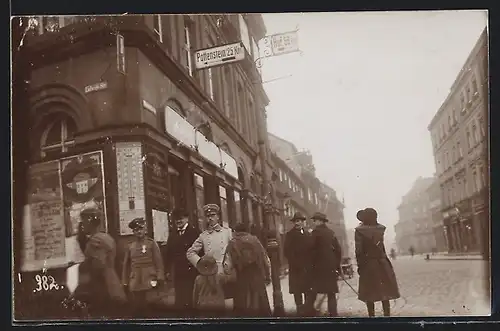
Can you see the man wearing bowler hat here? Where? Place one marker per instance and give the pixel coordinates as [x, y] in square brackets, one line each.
[297, 249]
[142, 266]
[326, 257]
[175, 259]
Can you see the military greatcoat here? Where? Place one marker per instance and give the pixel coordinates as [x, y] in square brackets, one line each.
[143, 264]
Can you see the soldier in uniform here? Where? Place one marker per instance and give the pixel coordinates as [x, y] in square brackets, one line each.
[213, 242]
[143, 265]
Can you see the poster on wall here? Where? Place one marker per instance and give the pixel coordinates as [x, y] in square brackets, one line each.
[160, 225]
[82, 180]
[130, 182]
[44, 229]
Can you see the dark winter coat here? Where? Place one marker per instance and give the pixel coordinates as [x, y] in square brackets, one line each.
[377, 280]
[326, 256]
[297, 249]
[142, 264]
[253, 269]
[174, 258]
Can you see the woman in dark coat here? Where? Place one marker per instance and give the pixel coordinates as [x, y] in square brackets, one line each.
[297, 249]
[100, 285]
[377, 280]
[253, 271]
[326, 256]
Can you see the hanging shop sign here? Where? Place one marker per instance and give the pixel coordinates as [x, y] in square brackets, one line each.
[130, 180]
[219, 55]
[279, 44]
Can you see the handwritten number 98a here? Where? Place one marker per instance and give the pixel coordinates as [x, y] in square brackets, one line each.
[45, 283]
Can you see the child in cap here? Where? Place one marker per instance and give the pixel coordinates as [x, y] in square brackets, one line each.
[208, 292]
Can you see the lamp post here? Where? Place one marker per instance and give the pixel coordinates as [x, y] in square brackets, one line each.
[272, 244]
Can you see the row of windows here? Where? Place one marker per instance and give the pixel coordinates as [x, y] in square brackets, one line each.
[292, 185]
[467, 96]
[457, 189]
[475, 133]
[224, 85]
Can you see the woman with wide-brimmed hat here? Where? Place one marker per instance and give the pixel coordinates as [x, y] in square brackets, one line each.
[377, 280]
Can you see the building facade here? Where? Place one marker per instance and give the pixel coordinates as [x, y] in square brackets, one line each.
[460, 146]
[414, 228]
[440, 235]
[299, 190]
[123, 121]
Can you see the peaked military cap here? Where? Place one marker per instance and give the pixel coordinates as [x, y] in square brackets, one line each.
[210, 208]
[137, 223]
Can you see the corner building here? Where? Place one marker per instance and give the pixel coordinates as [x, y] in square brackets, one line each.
[123, 121]
[460, 146]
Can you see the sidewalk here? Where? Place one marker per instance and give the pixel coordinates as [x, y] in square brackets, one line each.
[444, 256]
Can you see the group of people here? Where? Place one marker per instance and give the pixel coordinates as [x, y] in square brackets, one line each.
[222, 267]
[211, 271]
[314, 262]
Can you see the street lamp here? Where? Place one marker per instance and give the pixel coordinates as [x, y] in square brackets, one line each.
[272, 243]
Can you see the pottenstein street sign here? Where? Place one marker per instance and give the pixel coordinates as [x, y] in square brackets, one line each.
[219, 55]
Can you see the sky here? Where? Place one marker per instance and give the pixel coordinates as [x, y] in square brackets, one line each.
[361, 94]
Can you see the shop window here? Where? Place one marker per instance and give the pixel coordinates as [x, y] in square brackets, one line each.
[224, 217]
[241, 176]
[475, 135]
[245, 37]
[58, 136]
[200, 200]
[475, 91]
[188, 45]
[238, 206]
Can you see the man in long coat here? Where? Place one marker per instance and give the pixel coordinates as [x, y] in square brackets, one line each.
[213, 242]
[326, 258]
[175, 259]
[297, 249]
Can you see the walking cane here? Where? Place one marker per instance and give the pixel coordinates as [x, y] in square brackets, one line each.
[342, 276]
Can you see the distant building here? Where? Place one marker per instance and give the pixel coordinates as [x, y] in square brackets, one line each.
[460, 148]
[415, 226]
[298, 189]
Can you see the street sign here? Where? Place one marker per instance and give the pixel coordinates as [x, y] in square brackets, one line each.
[279, 44]
[219, 55]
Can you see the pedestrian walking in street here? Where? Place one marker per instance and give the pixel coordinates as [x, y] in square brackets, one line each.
[208, 291]
[297, 249]
[213, 242]
[377, 280]
[253, 272]
[326, 256]
[176, 262]
[99, 285]
[143, 271]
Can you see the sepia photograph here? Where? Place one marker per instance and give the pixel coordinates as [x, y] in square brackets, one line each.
[250, 165]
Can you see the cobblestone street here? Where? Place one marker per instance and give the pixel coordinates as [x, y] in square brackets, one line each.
[438, 287]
